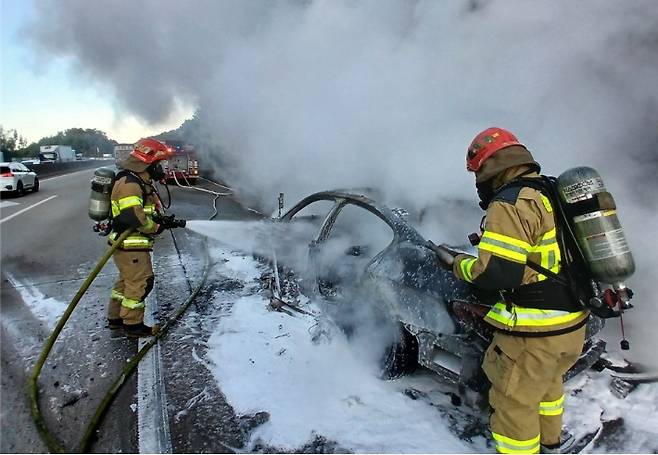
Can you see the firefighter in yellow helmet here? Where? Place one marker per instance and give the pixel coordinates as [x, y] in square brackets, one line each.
[135, 204]
[539, 328]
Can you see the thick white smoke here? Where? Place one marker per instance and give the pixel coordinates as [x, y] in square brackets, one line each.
[298, 96]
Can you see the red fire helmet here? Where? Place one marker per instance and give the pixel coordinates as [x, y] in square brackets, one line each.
[486, 144]
[150, 150]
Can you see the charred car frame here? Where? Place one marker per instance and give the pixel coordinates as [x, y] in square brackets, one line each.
[440, 318]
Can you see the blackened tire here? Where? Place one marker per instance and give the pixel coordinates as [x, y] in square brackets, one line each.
[35, 188]
[19, 189]
[401, 357]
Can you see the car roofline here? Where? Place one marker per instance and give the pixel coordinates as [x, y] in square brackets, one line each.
[400, 226]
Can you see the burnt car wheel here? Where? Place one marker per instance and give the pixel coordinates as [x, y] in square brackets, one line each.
[401, 357]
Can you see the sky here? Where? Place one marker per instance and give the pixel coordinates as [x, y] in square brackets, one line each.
[40, 96]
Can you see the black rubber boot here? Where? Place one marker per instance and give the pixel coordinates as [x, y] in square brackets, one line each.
[567, 442]
[139, 330]
[550, 448]
[115, 323]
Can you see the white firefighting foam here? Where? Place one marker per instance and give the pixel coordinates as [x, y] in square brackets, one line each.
[632, 422]
[46, 309]
[266, 361]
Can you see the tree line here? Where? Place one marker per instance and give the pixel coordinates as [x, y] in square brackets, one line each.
[88, 141]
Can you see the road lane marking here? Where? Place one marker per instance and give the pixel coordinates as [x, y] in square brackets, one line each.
[27, 208]
[154, 434]
[4, 204]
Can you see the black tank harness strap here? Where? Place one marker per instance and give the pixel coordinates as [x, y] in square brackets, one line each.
[558, 292]
[140, 182]
[544, 187]
[116, 226]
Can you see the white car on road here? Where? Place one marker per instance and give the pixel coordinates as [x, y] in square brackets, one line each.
[16, 178]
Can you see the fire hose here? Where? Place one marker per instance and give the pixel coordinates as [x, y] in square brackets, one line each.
[33, 390]
[53, 444]
[215, 193]
[132, 364]
[277, 301]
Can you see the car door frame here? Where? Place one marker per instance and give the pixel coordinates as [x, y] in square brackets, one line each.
[28, 174]
[18, 175]
[340, 200]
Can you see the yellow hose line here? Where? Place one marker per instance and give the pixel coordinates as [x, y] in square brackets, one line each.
[33, 390]
[51, 441]
[130, 367]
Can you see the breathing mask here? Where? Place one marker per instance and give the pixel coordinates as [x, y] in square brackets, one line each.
[485, 193]
[156, 172]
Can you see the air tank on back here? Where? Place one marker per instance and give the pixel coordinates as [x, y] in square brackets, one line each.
[101, 192]
[592, 213]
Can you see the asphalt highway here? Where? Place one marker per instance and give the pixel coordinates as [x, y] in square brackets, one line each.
[48, 248]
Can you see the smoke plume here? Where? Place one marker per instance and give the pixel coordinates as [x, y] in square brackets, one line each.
[299, 96]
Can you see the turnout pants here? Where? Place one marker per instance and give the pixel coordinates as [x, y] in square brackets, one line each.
[134, 284]
[527, 395]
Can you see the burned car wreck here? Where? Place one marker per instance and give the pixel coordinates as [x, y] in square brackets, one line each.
[362, 251]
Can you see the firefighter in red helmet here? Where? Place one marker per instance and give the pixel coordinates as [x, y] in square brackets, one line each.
[135, 204]
[539, 328]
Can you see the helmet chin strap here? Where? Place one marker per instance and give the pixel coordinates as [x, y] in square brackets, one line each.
[485, 193]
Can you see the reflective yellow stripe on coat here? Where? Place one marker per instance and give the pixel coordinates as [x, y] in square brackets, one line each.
[504, 246]
[532, 319]
[124, 203]
[515, 318]
[134, 242]
[466, 266]
[549, 253]
[516, 250]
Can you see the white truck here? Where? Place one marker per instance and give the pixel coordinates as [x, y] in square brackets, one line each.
[121, 152]
[56, 153]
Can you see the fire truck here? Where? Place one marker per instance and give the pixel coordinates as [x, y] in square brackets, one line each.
[183, 165]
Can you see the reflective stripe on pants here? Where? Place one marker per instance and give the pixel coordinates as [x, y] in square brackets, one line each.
[135, 281]
[524, 372]
[505, 444]
[552, 408]
[132, 303]
[116, 295]
[114, 306]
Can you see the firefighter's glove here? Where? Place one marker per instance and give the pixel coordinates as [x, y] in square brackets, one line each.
[445, 255]
[168, 222]
[103, 228]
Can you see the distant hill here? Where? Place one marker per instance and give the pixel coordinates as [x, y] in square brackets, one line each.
[88, 141]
